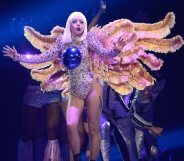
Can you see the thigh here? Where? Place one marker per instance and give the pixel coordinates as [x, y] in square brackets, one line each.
[94, 103]
[74, 110]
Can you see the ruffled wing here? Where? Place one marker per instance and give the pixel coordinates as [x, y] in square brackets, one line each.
[52, 74]
[126, 70]
[42, 42]
[144, 30]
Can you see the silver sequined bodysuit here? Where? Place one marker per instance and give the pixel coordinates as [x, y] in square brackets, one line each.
[82, 76]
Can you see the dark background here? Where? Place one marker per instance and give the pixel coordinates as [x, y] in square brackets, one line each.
[43, 16]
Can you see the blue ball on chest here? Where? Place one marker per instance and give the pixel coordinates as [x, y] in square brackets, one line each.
[71, 57]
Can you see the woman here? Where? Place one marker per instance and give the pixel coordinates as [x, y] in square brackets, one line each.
[85, 89]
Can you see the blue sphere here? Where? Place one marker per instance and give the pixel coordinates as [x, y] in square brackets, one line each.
[71, 57]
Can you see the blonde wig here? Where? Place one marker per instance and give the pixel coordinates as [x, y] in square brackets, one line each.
[67, 38]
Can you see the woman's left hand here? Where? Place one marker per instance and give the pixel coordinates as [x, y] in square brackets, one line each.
[118, 46]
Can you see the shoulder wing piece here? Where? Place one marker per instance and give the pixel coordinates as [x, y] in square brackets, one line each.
[42, 42]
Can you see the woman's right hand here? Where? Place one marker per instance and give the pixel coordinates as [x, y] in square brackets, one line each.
[10, 52]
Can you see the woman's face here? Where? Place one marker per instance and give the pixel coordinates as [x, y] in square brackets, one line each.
[77, 27]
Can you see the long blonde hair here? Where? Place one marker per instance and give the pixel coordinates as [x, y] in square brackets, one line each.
[67, 38]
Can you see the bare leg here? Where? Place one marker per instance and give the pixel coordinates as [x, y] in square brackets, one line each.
[87, 148]
[94, 106]
[74, 111]
[64, 137]
[81, 130]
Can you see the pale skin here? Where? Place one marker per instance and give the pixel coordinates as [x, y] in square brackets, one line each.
[93, 101]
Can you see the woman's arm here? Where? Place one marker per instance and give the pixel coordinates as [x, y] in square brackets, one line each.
[94, 44]
[51, 54]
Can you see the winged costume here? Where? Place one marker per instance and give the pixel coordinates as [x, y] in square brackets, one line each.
[122, 71]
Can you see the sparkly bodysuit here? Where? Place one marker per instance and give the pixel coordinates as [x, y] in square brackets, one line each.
[82, 76]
